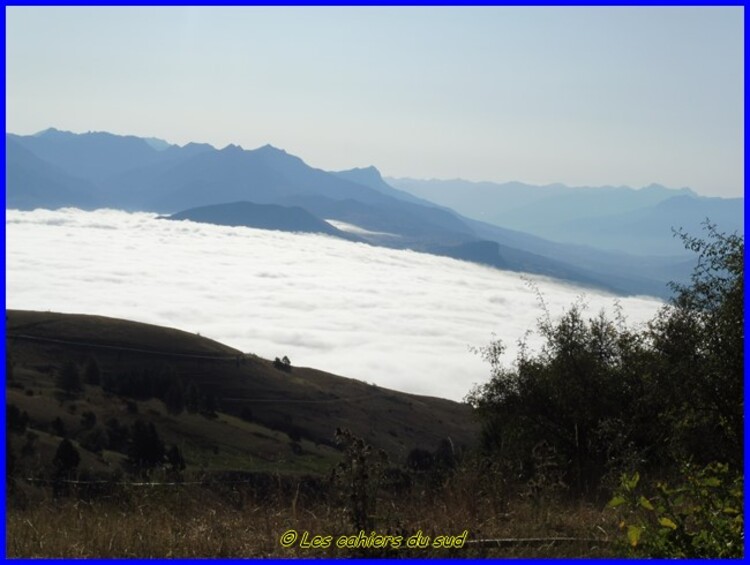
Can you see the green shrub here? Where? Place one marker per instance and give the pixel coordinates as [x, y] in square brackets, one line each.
[700, 517]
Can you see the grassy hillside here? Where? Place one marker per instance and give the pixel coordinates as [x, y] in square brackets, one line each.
[264, 418]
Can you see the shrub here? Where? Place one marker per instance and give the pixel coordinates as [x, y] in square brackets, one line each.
[700, 517]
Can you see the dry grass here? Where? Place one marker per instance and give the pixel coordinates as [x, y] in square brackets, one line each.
[195, 522]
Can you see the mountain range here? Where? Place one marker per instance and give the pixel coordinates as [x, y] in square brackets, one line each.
[271, 189]
[615, 218]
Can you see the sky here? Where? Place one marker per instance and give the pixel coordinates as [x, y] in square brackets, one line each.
[583, 96]
[396, 318]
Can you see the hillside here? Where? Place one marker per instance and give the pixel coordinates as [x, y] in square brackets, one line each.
[261, 216]
[263, 418]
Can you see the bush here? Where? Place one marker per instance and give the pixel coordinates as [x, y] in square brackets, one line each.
[607, 399]
[16, 419]
[701, 517]
[146, 450]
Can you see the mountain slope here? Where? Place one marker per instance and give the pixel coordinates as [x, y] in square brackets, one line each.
[638, 222]
[92, 156]
[262, 410]
[32, 183]
[261, 216]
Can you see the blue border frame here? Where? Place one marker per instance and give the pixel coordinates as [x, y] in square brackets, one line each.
[474, 3]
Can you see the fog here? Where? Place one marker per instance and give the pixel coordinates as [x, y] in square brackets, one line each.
[400, 319]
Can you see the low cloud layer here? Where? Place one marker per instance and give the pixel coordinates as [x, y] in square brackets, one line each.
[401, 319]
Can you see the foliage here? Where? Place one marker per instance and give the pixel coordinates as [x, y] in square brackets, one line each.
[66, 459]
[607, 399]
[146, 449]
[283, 364]
[16, 419]
[701, 517]
[358, 477]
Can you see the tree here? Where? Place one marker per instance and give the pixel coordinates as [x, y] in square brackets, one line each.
[208, 405]
[68, 378]
[66, 459]
[700, 339]
[58, 426]
[16, 419]
[192, 398]
[283, 364]
[605, 398]
[64, 464]
[176, 461]
[146, 449]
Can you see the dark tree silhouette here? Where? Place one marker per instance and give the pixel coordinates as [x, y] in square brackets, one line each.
[66, 459]
[146, 449]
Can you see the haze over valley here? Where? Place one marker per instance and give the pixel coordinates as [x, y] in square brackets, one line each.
[400, 319]
[356, 276]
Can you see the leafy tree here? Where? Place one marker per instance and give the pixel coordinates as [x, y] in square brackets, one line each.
[58, 426]
[701, 342]
[146, 450]
[66, 458]
[176, 461]
[606, 398]
[64, 464]
[17, 420]
[283, 364]
[192, 398]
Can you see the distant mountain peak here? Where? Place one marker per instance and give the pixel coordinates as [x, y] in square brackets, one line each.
[656, 187]
[50, 132]
[370, 171]
[232, 148]
[365, 175]
[268, 148]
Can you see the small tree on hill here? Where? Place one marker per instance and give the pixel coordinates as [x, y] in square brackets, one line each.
[146, 450]
[66, 458]
[192, 398]
[64, 464]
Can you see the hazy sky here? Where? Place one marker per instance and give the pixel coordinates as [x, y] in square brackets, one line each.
[574, 95]
[400, 319]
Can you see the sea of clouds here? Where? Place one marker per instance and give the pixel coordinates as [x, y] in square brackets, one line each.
[400, 319]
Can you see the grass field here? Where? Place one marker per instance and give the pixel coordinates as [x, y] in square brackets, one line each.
[229, 522]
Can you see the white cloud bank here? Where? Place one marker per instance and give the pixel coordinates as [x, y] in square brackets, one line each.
[401, 319]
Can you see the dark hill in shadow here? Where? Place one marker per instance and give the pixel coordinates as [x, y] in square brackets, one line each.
[261, 216]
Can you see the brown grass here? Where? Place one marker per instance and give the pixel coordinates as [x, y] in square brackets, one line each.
[196, 522]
